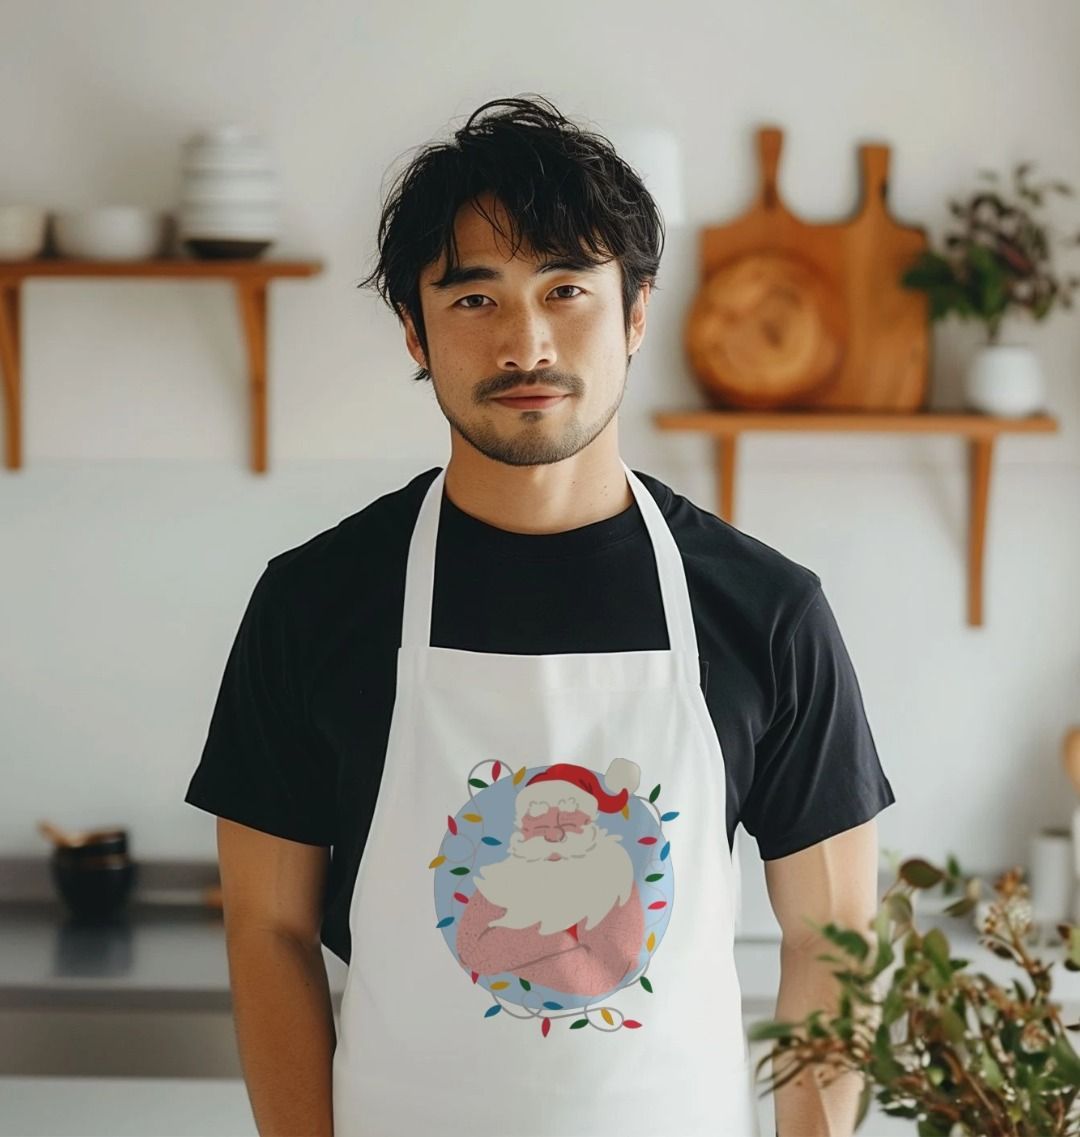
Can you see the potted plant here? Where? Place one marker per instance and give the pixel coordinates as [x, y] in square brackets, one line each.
[950, 1049]
[997, 262]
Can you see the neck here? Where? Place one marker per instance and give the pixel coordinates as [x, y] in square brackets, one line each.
[590, 486]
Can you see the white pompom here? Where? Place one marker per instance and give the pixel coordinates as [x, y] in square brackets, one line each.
[622, 774]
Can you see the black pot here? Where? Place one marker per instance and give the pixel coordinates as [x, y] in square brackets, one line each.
[92, 887]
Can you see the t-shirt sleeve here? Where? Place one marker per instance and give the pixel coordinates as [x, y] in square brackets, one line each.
[260, 765]
[816, 767]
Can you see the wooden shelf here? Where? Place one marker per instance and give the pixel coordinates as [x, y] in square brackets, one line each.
[250, 278]
[980, 430]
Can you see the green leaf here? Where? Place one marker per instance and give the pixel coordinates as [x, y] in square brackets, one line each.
[899, 907]
[886, 1068]
[920, 873]
[885, 958]
[936, 947]
[655, 793]
[952, 1025]
[991, 1071]
[770, 1028]
[851, 941]
[1067, 1060]
[960, 907]
[892, 1007]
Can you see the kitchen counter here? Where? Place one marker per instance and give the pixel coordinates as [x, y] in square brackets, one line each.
[172, 957]
[120, 1005]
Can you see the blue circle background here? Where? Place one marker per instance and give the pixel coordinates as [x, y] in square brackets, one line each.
[495, 804]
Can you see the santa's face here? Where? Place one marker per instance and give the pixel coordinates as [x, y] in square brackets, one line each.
[561, 868]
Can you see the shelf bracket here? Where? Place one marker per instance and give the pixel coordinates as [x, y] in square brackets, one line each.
[979, 430]
[250, 277]
[980, 458]
[726, 453]
[10, 357]
[251, 298]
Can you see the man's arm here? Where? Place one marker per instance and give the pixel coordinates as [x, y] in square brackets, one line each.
[837, 880]
[272, 892]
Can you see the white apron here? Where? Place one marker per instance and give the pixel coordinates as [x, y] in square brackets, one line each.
[543, 917]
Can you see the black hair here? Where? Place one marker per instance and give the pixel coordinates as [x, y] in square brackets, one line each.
[564, 189]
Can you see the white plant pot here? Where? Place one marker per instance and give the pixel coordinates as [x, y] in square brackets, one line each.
[1006, 380]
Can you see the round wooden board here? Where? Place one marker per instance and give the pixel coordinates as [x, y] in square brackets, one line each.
[765, 328]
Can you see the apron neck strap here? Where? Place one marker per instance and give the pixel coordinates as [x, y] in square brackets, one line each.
[420, 569]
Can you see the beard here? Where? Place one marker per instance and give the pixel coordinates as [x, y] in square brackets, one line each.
[531, 442]
[593, 874]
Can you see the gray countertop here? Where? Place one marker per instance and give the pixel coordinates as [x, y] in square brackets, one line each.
[173, 957]
[166, 951]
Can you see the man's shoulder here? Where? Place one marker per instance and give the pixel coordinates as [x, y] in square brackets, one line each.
[364, 542]
[729, 566]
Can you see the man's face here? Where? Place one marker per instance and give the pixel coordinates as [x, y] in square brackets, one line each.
[502, 328]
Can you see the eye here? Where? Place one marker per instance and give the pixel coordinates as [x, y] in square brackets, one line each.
[538, 808]
[479, 296]
[568, 805]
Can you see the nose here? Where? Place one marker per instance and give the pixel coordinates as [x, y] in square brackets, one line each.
[526, 344]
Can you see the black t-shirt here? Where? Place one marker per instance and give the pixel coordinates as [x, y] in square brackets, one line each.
[299, 730]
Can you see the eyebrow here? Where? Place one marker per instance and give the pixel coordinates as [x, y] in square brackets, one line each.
[466, 274]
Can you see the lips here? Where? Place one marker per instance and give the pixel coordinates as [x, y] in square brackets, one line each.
[530, 402]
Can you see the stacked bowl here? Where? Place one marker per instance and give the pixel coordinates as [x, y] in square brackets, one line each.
[229, 194]
[92, 870]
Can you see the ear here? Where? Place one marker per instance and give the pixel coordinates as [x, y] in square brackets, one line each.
[412, 341]
[637, 319]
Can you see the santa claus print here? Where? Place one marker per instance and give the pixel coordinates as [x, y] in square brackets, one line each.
[556, 886]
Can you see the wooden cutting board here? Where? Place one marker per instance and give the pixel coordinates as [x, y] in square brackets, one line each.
[811, 316]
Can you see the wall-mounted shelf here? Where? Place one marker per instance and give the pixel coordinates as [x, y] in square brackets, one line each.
[980, 430]
[250, 278]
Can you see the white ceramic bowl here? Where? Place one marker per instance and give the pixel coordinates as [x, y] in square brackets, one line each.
[22, 231]
[198, 187]
[112, 233]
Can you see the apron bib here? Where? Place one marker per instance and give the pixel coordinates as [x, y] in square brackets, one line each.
[543, 916]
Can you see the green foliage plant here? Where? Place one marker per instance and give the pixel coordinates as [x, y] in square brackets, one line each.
[998, 258]
[949, 1048]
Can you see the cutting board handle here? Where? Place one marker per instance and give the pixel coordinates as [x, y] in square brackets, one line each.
[770, 141]
[874, 160]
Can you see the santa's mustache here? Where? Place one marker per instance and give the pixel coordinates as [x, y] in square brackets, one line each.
[539, 848]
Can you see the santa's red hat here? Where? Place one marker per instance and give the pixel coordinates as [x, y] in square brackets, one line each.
[566, 779]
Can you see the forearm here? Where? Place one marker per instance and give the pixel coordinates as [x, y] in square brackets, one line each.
[285, 1032]
[804, 1108]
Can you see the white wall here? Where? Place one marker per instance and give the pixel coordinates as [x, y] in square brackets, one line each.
[132, 537]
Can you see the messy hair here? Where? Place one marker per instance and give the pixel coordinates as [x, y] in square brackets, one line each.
[564, 190]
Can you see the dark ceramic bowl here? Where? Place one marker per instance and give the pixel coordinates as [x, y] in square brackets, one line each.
[221, 248]
[93, 887]
[113, 841]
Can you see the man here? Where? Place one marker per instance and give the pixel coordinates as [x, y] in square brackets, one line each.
[534, 616]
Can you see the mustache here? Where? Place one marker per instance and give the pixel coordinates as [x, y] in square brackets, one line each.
[560, 380]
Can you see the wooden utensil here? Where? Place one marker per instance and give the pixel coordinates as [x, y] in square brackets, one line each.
[1071, 756]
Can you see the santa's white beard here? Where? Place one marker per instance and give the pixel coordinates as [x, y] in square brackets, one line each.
[593, 874]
